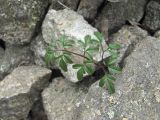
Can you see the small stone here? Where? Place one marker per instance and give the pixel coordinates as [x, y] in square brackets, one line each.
[125, 119]
[98, 112]
[157, 95]
[111, 114]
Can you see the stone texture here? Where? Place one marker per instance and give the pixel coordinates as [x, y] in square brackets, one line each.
[62, 100]
[117, 13]
[137, 94]
[128, 37]
[72, 4]
[157, 34]
[13, 57]
[38, 47]
[18, 19]
[37, 111]
[152, 17]
[20, 89]
[89, 8]
[68, 22]
[1, 53]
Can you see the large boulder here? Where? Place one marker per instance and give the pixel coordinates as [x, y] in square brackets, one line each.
[89, 8]
[69, 23]
[14, 56]
[152, 17]
[117, 13]
[20, 89]
[137, 94]
[18, 19]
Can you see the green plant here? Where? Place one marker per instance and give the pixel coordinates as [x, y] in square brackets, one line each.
[60, 53]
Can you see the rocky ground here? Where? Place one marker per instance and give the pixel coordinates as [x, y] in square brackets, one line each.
[31, 91]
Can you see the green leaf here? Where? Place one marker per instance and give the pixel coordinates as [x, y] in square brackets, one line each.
[77, 66]
[92, 50]
[80, 73]
[87, 39]
[110, 60]
[89, 69]
[107, 80]
[114, 53]
[110, 77]
[89, 56]
[81, 43]
[99, 36]
[49, 57]
[110, 86]
[102, 82]
[114, 46]
[63, 65]
[114, 69]
[67, 59]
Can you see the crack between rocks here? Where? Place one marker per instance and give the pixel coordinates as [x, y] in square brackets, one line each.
[78, 5]
[99, 11]
[128, 52]
[39, 23]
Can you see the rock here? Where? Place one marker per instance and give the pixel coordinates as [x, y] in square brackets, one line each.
[37, 111]
[88, 8]
[20, 89]
[61, 4]
[62, 100]
[152, 17]
[117, 13]
[68, 22]
[18, 19]
[137, 94]
[128, 37]
[117, 0]
[1, 53]
[13, 57]
[157, 34]
[38, 47]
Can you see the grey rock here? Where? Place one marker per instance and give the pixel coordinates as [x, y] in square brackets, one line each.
[157, 34]
[18, 19]
[68, 22]
[117, 0]
[62, 100]
[128, 37]
[1, 53]
[14, 56]
[37, 111]
[88, 8]
[20, 89]
[152, 17]
[38, 47]
[117, 13]
[137, 94]
[62, 4]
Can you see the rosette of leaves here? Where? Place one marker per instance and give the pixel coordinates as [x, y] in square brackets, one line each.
[59, 52]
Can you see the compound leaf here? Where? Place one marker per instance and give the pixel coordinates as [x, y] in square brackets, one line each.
[80, 73]
[63, 65]
[114, 46]
[114, 69]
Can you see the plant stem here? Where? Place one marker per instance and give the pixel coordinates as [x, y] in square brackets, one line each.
[64, 50]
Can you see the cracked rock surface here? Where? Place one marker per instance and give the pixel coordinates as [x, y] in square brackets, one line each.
[18, 19]
[137, 94]
[20, 90]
